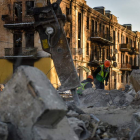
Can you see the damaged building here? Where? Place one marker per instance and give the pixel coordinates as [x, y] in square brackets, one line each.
[20, 43]
[96, 36]
[93, 34]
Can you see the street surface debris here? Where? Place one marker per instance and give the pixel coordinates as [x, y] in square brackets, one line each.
[32, 109]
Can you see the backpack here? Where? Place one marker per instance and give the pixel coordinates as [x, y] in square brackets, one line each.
[81, 88]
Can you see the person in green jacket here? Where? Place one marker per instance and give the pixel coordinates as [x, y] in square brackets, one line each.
[101, 74]
[85, 84]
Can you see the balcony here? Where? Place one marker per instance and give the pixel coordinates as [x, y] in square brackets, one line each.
[18, 24]
[126, 67]
[125, 48]
[104, 39]
[20, 52]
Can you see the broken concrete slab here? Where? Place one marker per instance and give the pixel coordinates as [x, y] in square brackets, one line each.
[61, 132]
[135, 79]
[119, 117]
[31, 100]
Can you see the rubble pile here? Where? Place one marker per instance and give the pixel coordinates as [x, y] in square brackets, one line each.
[99, 97]
[90, 126]
[31, 109]
[114, 110]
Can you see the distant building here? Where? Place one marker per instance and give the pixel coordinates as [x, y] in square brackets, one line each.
[93, 34]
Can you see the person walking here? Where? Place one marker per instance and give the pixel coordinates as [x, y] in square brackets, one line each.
[85, 84]
[101, 74]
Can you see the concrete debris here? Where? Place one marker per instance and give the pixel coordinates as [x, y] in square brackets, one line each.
[79, 128]
[32, 105]
[98, 98]
[72, 114]
[135, 79]
[35, 111]
[3, 131]
[135, 133]
[63, 131]
[72, 106]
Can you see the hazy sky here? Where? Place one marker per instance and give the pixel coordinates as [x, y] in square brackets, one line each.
[127, 11]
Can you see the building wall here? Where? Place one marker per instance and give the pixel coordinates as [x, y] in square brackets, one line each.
[7, 41]
[46, 65]
[81, 54]
[109, 21]
[6, 70]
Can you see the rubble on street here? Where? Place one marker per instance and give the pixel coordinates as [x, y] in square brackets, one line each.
[33, 110]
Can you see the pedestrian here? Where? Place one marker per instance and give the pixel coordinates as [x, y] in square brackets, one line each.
[101, 74]
[85, 84]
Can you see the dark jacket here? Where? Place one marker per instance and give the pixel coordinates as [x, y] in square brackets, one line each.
[89, 84]
[97, 71]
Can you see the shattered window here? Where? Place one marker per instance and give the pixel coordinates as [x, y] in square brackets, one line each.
[100, 27]
[79, 43]
[127, 77]
[88, 23]
[122, 76]
[118, 37]
[29, 6]
[79, 25]
[18, 11]
[68, 12]
[96, 26]
[92, 24]
[29, 36]
[17, 43]
[87, 50]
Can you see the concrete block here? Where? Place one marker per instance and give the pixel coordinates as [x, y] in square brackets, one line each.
[62, 132]
[30, 100]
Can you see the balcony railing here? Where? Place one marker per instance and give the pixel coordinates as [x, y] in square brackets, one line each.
[105, 39]
[10, 23]
[126, 67]
[25, 52]
[125, 48]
